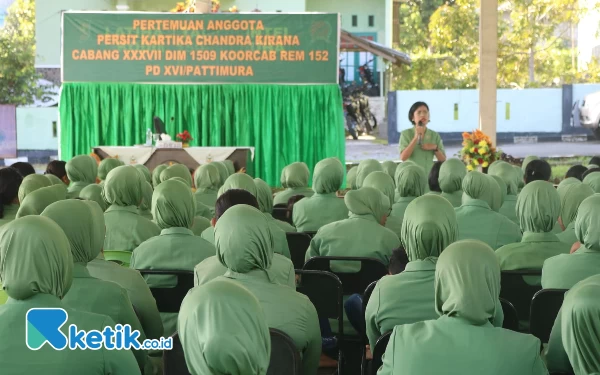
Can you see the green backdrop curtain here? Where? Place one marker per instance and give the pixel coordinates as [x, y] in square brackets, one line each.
[284, 123]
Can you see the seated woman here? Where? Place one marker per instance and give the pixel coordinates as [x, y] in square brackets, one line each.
[294, 178]
[177, 170]
[223, 172]
[282, 268]
[538, 207]
[451, 177]
[247, 252]
[208, 181]
[81, 171]
[365, 168]
[176, 248]
[463, 340]
[565, 270]
[351, 178]
[85, 230]
[94, 193]
[324, 207]
[56, 170]
[574, 340]
[509, 175]
[39, 246]
[593, 180]
[500, 191]
[389, 167]
[32, 183]
[384, 183]
[264, 194]
[10, 182]
[107, 165]
[571, 197]
[145, 173]
[223, 330]
[125, 228]
[363, 234]
[156, 174]
[537, 170]
[411, 183]
[36, 202]
[477, 221]
[146, 204]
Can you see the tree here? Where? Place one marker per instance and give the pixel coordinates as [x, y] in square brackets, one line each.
[18, 77]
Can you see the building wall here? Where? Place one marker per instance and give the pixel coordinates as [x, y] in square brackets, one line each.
[35, 128]
[519, 111]
[266, 5]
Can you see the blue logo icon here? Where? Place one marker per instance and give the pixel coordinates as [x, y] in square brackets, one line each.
[43, 326]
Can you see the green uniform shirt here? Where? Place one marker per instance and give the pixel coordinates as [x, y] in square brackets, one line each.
[531, 252]
[454, 198]
[294, 178]
[310, 214]
[565, 270]
[400, 206]
[10, 212]
[422, 158]
[284, 196]
[568, 235]
[126, 229]
[281, 244]
[477, 221]
[207, 197]
[509, 208]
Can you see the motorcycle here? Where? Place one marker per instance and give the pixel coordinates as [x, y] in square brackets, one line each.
[366, 75]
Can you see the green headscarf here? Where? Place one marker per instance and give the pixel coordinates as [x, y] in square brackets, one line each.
[367, 201]
[223, 330]
[35, 257]
[389, 167]
[538, 207]
[588, 222]
[520, 176]
[494, 165]
[223, 172]
[230, 167]
[476, 185]
[451, 175]
[264, 196]
[206, 178]
[239, 181]
[177, 170]
[571, 195]
[156, 174]
[146, 196]
[54, 180]
[365, 168]
[528, 160]
[93, 193]
[295, 175]
[82, 227]
[37, 201]
[145, 172]
[509, 175]
[500, 191]
[568, 181]
[328, 176]
[351, 178]
[411, 181]
[580, 326]
[243, 239]
[123, 187]
[467, 282]
[593, 166]
[592, 179]
[106, 166]
[382, 182]
[173, 205]
[82, 168]
[32, 183]
[429, 226]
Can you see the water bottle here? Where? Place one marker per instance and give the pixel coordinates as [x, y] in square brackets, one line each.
[148, 137]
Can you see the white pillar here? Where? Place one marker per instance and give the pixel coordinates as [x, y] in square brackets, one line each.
[488, 54]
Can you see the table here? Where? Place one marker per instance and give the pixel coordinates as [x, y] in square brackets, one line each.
[191, 157]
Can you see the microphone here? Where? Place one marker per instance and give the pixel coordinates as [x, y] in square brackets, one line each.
[420, 141]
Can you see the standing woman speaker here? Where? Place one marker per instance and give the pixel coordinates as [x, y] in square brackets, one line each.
[420, 144]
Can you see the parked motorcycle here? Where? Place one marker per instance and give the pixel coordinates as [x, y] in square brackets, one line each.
[366, 75]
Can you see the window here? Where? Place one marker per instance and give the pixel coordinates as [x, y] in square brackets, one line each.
[54, 129]
[455, 111]
[354, 21]
[371, 21]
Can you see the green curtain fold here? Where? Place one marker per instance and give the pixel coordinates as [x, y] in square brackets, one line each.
[284, 123]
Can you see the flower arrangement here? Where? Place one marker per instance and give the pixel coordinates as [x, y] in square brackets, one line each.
[478, 150]
[184, 137]
[234, 9]
[190, 6]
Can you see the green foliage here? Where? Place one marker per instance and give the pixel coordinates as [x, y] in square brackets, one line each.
[18, 77]
[444, 45]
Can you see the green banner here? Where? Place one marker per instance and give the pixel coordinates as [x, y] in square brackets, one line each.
[200, 48]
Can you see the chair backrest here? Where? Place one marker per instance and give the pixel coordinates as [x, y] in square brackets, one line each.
[544, 308]
[285, 357]
[168, 300]
[121, 257]
[371, 269]
[517, 291]
[511, 317]
[379, 351]
[298, 244]
[280, 212]
[310, 233]
[174, 359]
[324, 289]
[366, 297]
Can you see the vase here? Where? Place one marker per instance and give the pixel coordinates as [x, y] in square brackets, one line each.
[185, 144]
